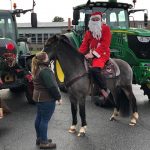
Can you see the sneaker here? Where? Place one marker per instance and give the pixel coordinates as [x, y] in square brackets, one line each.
[38, 141]
[47, 145]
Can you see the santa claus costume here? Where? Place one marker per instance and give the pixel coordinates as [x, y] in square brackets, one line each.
[95, 46]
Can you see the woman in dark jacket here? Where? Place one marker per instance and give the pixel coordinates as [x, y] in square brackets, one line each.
[45, 94]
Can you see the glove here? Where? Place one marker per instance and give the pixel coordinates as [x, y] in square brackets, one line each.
[89, 55]
[1, 113]
[1, 82]
[29, 77]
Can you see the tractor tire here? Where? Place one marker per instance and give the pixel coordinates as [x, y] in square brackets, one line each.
[146, 89]
[29, 92]
[17, 89]
[59, 76]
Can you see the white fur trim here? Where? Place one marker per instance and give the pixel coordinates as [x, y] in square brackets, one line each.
[96, 54]
[98, 16]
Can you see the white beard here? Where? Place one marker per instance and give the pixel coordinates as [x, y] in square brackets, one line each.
[95, 28]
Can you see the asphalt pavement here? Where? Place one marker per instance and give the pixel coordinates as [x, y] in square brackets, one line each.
[17, 129]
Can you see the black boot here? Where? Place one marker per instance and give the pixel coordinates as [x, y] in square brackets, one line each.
[47, 145]
[38, 141]
[100, 80]
[98, 77]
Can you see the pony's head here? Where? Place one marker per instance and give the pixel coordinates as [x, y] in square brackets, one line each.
[59, 47]
[51, 46]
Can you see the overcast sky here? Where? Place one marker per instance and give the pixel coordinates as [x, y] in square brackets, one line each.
[47, 9]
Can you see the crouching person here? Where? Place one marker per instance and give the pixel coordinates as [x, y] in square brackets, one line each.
[45, 94]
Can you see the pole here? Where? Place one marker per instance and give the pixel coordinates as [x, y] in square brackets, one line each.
[69, 24]
[11, 4]
[33, 4]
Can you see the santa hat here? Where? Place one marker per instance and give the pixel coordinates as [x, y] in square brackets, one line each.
[96, 14]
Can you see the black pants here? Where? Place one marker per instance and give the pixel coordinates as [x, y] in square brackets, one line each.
[98, 77]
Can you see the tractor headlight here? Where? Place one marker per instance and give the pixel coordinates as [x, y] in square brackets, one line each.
[143, 39]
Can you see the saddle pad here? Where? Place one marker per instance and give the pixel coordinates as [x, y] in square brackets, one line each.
[111, 69]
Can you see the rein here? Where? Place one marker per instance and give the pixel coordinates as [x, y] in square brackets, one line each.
[69, 83]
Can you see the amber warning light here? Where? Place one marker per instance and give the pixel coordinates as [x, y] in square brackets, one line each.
[14, 5]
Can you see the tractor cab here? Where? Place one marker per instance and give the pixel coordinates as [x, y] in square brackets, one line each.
[7, 25]
[129, 42]
[115, 14]
[15, 57]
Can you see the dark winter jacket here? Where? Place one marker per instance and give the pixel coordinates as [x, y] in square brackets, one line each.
[45, 86]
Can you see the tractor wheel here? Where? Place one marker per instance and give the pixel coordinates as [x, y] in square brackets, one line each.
[16, 89]
[146, 89]
[29, 92]
[59, 76]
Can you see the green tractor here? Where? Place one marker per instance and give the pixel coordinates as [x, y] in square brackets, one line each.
[15, 57]
[129, 44]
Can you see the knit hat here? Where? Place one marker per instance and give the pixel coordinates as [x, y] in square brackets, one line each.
[96, 14]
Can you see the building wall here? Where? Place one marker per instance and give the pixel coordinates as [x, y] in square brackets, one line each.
[38, 36]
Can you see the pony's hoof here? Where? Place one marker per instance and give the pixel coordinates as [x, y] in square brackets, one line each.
[82, 131]
[132, 124]
[112, 118]
[72, 129]
[81, 134]
[134, 119]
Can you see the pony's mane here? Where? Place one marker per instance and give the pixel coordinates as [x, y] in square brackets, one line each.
[74, 50]
[62, 39]
[50, 40]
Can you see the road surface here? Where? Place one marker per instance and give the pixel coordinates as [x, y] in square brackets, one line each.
[17, 129]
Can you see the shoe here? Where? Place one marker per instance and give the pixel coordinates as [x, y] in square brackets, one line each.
[47, 145]
[38, 141]
[105, 93]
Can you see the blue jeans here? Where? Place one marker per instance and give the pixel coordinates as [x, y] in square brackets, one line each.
[45, 111]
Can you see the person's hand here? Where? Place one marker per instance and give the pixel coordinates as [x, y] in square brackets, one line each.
[59, 102]
[1, 82]
[89, 55]
[29, 77]
[1, 113]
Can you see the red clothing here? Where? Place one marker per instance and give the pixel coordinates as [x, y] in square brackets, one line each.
[98, 47]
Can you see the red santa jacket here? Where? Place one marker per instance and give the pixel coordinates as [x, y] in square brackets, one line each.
[100, 48]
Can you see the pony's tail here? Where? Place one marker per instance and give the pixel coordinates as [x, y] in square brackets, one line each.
[123, 103]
